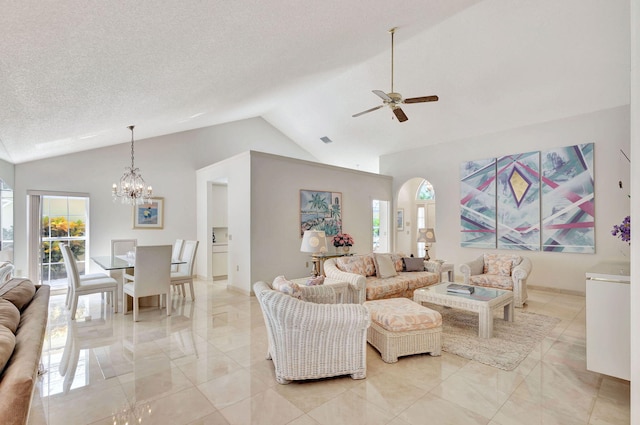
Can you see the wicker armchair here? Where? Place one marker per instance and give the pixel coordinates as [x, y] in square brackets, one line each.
[311, 341]
[515, 280]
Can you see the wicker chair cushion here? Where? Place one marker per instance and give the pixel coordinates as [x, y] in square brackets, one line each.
[492, 281]
[285, 286]
[401, 315]
[499, 264]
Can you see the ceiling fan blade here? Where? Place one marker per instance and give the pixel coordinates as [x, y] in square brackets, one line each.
[367, 111]
[400, 114]
[421, 99]
[383, 95]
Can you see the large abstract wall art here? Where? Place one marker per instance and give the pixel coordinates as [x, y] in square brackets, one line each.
[568, 214]
[518, 200]
[478, 203]
[530, 201]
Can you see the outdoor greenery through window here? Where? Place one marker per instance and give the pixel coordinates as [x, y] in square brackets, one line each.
[6, 216]
[64, 220]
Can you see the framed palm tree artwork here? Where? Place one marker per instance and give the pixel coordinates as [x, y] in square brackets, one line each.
[321, 210]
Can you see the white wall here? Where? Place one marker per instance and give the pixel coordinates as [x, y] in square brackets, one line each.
[168, 163]
[635, 211]
[264, 212]
[275, 210]
[608, 129]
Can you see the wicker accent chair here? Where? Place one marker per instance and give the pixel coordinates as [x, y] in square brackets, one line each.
[501, 271]
[309, 340]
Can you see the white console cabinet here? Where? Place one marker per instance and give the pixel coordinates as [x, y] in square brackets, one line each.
[608, 319]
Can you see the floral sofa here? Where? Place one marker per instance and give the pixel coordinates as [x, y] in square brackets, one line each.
[383, 275]
[501, 271]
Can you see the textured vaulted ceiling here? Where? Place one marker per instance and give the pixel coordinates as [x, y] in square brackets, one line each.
[74, 74]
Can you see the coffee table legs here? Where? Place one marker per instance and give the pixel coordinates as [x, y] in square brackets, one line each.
[485, 319]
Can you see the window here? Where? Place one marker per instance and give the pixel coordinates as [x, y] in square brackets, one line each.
[6, 217]
[63, 219]
[426, 192]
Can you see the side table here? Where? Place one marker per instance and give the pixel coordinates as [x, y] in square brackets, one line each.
[449, 269]
[320, 258]
[338, 286]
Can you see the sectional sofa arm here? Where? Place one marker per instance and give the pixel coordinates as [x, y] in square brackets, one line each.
[433, 267]
[472, 268]
[522, 270]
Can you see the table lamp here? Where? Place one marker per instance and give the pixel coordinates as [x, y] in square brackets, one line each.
[427, 236]
[315, 242]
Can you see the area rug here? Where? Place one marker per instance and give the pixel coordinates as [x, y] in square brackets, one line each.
[511, 342]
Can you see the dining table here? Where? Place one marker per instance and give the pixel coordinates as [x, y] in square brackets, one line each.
[117, 265]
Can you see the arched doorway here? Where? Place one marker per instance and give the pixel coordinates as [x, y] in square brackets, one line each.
[417, 206]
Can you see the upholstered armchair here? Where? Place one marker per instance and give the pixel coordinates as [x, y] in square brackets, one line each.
[501, 271]
[308, 340]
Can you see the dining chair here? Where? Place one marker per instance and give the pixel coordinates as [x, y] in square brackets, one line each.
[89, 284]
[184, 274]
[176, 253]
[123, 246]
[152, 277]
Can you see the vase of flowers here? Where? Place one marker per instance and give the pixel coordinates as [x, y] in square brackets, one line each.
[623, 230]
[343, 242]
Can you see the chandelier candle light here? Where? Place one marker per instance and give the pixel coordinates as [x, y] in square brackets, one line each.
[132, 189]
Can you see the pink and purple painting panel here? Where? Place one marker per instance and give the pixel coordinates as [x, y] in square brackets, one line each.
[478, 203]
[568, 216]
[518, 201]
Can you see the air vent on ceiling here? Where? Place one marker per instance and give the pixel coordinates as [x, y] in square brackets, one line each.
[326, 139]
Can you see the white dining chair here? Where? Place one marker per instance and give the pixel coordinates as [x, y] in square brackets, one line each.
[184, 274]
[123, 246]
[176, 253]
[90, 284]
[152, 277]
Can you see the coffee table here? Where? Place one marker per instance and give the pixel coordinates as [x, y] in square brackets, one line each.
[483, 301]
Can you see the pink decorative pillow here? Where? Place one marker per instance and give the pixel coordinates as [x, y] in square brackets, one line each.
[352, 264]
[285, 286]
[499, 264]
[312, 281]
[369, 265]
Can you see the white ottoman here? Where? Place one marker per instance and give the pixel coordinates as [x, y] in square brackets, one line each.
[401, 327]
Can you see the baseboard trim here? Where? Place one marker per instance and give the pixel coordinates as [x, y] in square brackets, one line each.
[557, 290]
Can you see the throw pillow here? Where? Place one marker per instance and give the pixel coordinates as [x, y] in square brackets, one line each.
[7, 344]
[19, 291]
[413, 264]
[369, 265]
[384, 266]
[281, 284]
[352, 264]
[499, 264]
[312, 281]
[397, 261]
[9, 315]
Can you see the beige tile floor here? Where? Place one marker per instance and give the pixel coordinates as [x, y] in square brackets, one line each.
[206, 365]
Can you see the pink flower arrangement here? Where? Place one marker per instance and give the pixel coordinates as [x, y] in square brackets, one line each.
[342, 239]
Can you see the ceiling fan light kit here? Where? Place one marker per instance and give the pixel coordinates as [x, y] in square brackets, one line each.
[393, 99]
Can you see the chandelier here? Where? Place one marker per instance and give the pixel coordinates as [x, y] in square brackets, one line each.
[132, 189]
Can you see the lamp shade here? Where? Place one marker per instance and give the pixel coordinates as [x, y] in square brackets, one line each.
[426, 235]
[313, 241]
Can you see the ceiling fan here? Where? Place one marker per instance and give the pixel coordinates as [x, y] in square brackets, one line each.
[394, 100]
